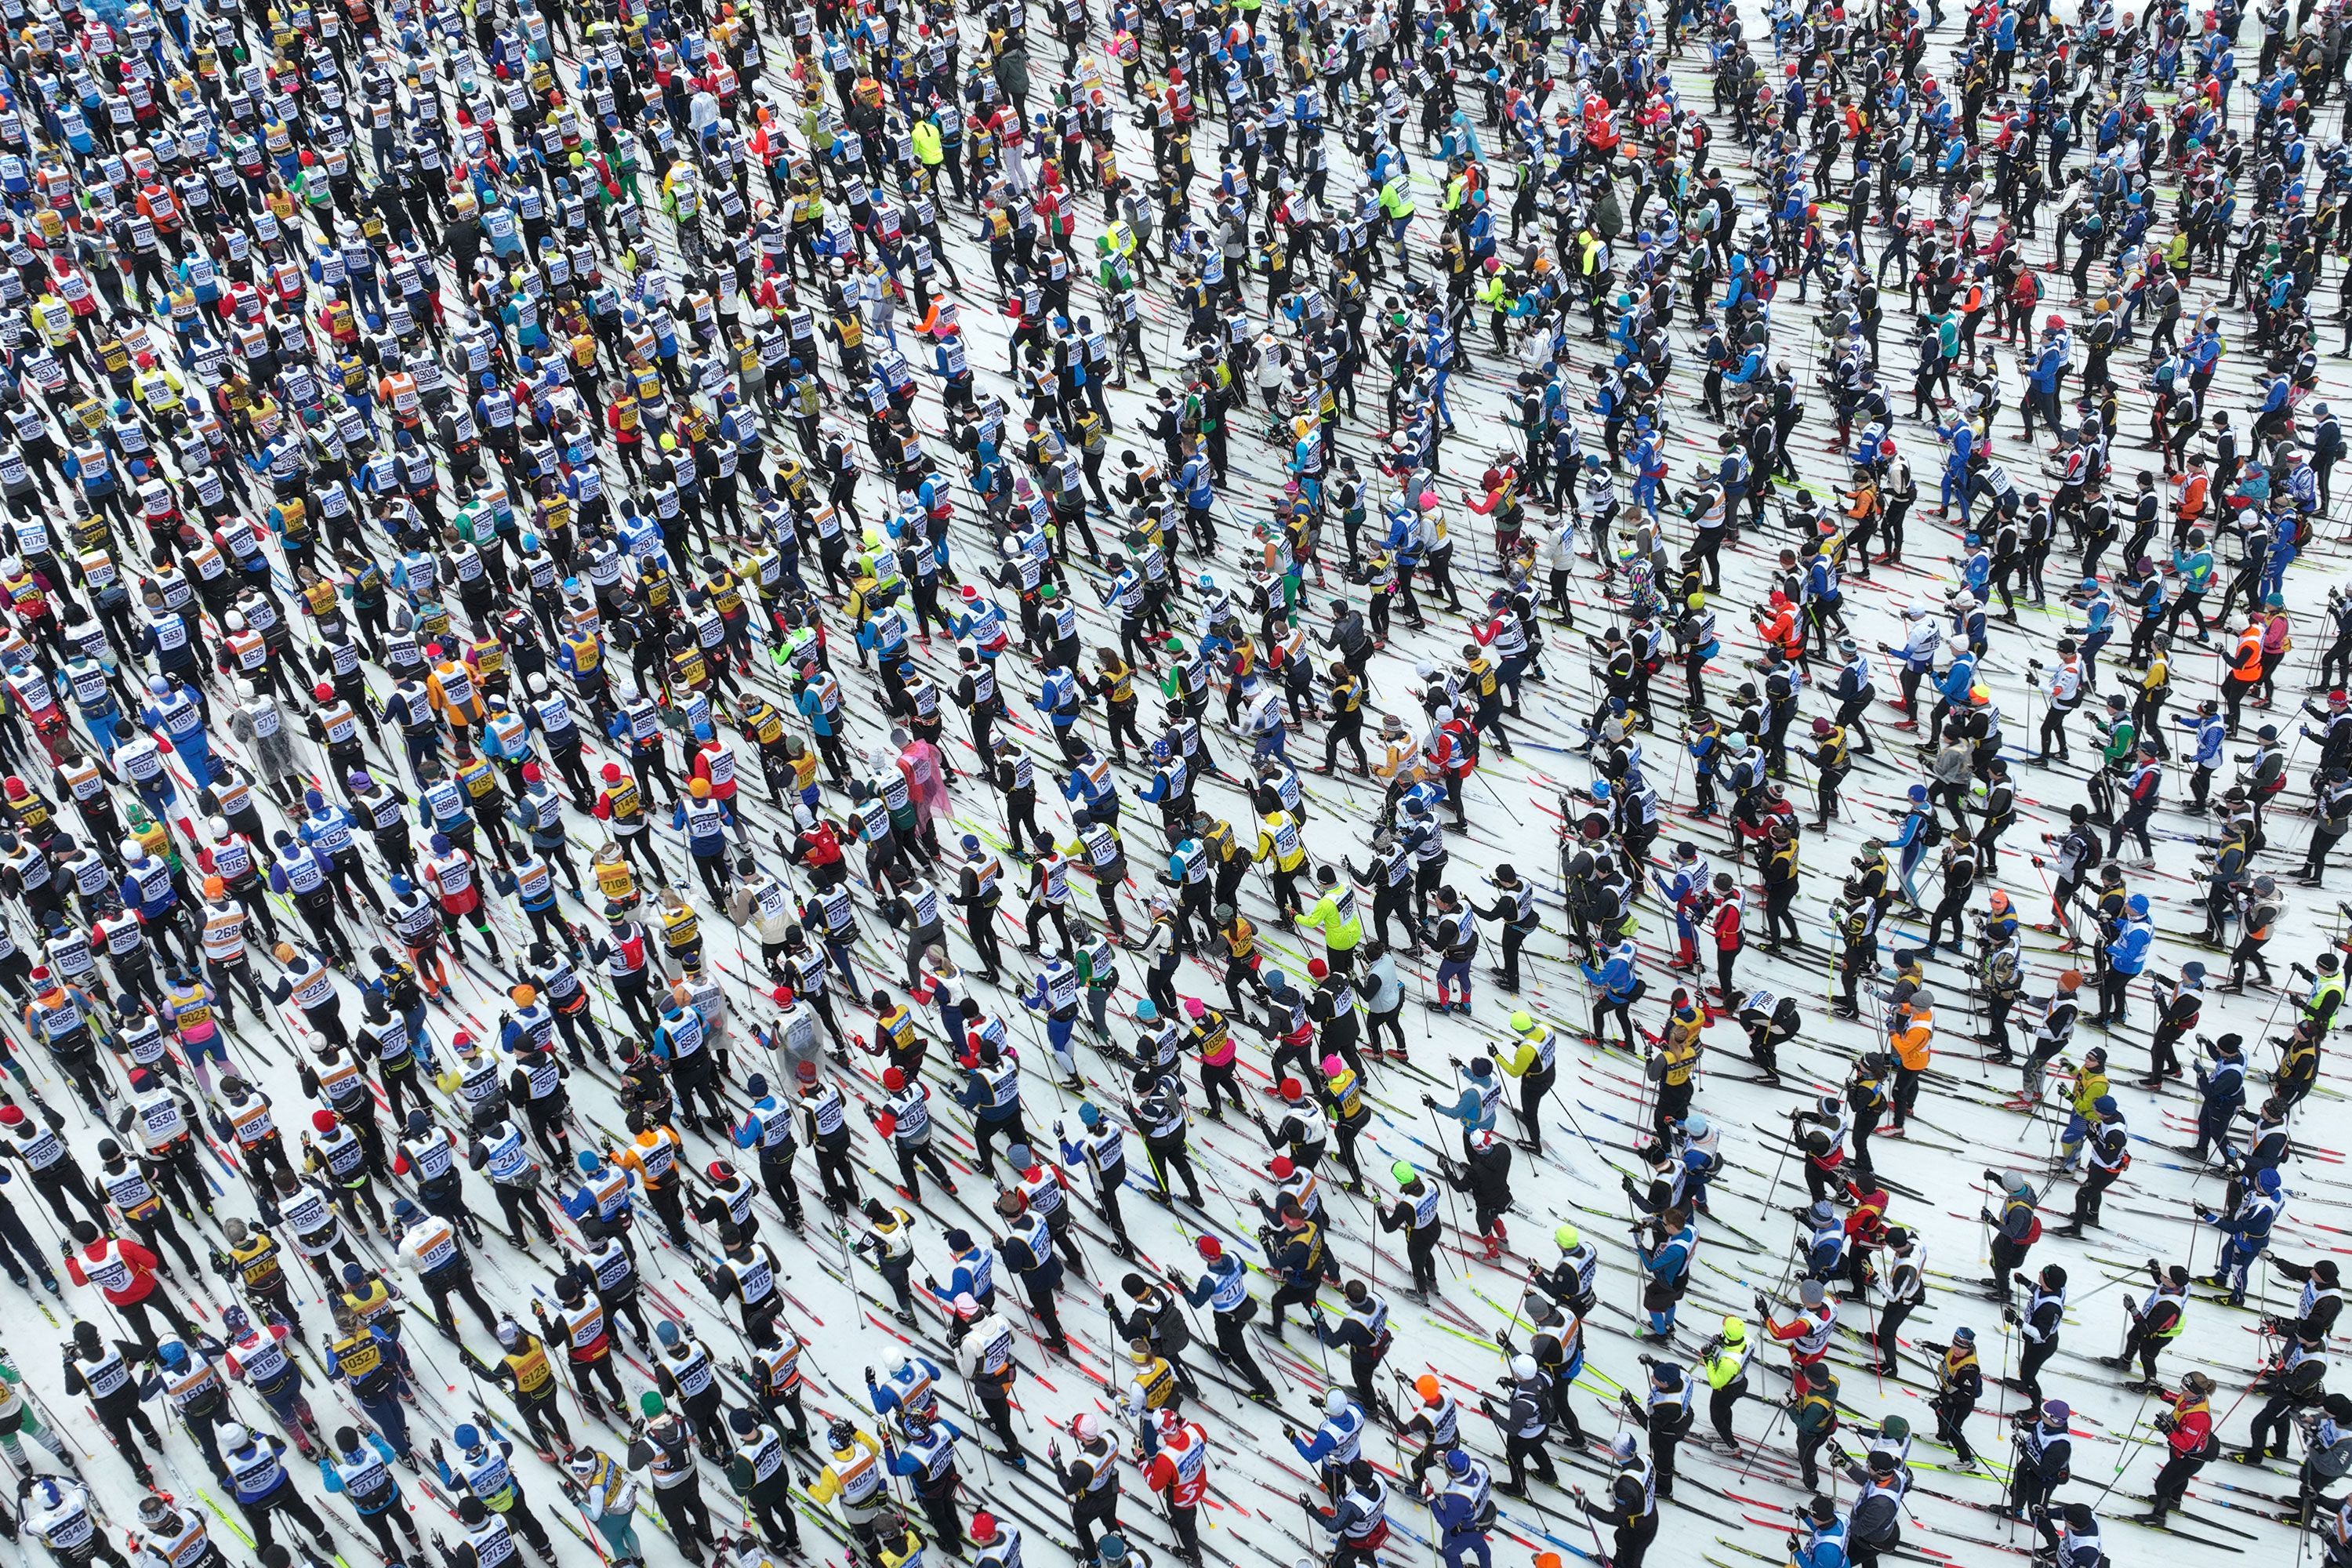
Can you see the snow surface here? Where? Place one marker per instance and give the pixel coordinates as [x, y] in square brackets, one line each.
[1257, 1488]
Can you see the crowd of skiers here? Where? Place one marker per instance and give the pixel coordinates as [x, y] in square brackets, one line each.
[462, 460]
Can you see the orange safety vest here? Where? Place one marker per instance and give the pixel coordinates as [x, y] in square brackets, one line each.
[399, 393]
[1912, 1043]
[2249, 667]
[2192, 497]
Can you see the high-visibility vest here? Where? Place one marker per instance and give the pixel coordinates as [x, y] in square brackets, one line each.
[2249, 668]
[1911, 1044]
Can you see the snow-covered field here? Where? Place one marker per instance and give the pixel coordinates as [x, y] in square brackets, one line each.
[1732, 1504]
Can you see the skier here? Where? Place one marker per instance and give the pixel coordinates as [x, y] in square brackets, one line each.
[430, 1245]
[1179, 1471]
[585, 1334]
[2247, 1228]
[2041, 1457]
[1462, 1509]
[1223, 1288]
[2017, 1226]
[359, 1467]
[126, 1274]
[482, 1472]
[2187, 1424]
[607, 1495]
[1666, 1260]
[174, 1535]
[1631, 1515]
[264, 1489]
[757, 1468]
[2156, 1320]
[59, 1513]
[1089, 1483]
[662, 1452]
[1525, 1423]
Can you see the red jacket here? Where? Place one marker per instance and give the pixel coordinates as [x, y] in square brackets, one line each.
[819, 847]
[1451, 751]
[1179, 1467]
[702, 765]
[1797, 1328]
[123, 1270]
[2191, 1423]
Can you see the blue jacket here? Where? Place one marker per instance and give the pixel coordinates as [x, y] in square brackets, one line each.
[294, 854]
[1214, 1273]
[1471, 1109]
[1336, 1434]
[1615, 978]
[332, 1478]
[2250, 1227]
[2224, 1088]
[2128, 954]
[1672, 1259]
[1820, 1546]
[811, 707]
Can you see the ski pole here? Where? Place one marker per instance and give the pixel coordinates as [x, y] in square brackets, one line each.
[1601, 1553]
[1772, 1190]
[2131, 1447]
[2111, 1281]
[50, 1423]
[1029, 1022]
[429, 1362]
[849, 1268]
[973, 1402]
[1772, 1426]
[1453, 1197]
[1589, 1139]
